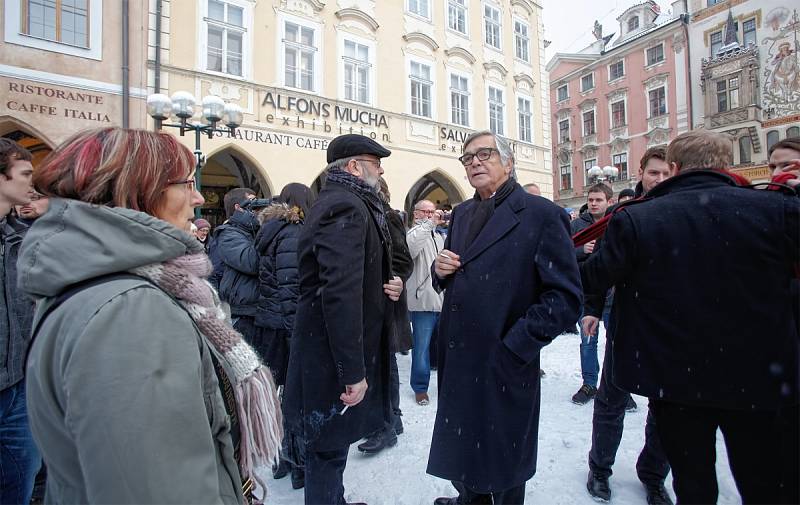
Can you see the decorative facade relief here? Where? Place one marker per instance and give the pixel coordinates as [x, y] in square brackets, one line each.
[308, 8]
[781, 73]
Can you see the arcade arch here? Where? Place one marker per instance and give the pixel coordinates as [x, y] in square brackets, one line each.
[435, 186]
[26, 136]
[227, 168]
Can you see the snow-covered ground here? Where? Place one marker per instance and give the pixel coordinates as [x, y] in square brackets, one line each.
[397, 475]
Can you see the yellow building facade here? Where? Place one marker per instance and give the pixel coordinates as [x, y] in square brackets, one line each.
[415, 75]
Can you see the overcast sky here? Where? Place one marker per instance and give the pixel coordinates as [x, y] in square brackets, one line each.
[568, 23]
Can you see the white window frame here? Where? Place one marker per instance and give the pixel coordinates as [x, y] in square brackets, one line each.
[280, 73]
[247, 22]
[470, 101]
[465, 33]
[711, 42]
[527, 26]
[484, 21]
[558, 130]
[624, 101]
[755, 29]
[566, 97]
[593, 110]
[614, 79]
[649, 103]
[529, 99]
[647, 64]
[426, 17]
[561, 175]
[371, 73]
[407, 84]
[14, 32]
[627, 165]
[594, 84]
[504, 123]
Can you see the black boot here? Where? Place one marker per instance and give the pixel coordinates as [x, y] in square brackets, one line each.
[379, 441]
[598, 487]
[280, 470]
[298, 477]
[398, 424]
[657, 494]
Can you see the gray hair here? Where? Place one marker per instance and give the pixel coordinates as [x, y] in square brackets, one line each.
[503, 148]
[417, 205]
[340, 163]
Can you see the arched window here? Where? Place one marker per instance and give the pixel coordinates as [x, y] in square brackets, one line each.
[745, 149]
[794, 131]
[772, 138]
[633, 23]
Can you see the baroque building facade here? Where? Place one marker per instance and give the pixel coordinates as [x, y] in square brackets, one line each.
[622, 94]
[749, 69]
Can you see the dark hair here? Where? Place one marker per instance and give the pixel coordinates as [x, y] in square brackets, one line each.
[298, 195]
[11, 151]
[234, 197]
[115, 166]
[792, 143]
[658, 152]
[601, 188]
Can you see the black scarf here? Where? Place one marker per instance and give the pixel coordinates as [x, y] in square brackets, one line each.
[484, 209]
[369, 196]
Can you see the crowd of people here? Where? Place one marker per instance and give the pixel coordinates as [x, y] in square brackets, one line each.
[150, 359]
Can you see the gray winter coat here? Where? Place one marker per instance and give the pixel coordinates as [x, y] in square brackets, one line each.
[122, 394]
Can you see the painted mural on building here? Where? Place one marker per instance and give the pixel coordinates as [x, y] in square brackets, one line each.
[781, 82]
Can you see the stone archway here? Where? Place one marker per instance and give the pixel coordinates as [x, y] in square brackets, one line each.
[26, 136]
[435, 186]
[227, 168]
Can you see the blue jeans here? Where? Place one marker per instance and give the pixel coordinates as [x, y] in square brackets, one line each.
[590, 365]
[422, 325]
[19, 457]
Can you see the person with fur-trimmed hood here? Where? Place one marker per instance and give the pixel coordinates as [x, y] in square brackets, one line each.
[279, 288]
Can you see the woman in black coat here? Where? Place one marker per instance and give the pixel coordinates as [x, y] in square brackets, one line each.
[278, 286]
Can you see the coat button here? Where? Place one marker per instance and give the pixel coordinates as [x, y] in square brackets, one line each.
[451, 345]
[461, 270]
[454, 307]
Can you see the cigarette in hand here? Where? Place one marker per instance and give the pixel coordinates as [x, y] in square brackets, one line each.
[344, 410]
[445, 255]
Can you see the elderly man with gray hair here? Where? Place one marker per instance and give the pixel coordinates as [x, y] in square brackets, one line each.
[511, 285]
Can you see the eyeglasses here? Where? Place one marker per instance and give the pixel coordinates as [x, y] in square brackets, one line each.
[428, 212]
[377, 162]
[483, 154]
[189, 183]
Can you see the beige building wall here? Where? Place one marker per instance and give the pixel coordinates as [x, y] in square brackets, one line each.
[286, 128]
[51, 87]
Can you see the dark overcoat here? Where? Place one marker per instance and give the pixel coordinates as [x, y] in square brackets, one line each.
[518, 288]
[703, 273]
[339, 335]
[400, 338]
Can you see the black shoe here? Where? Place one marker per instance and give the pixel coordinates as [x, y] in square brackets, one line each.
[398, 425]
[597, 485]
[631, 406]
[378, 441]
[657, 494]
[298, 477]
[584, 394]
[280, 470]
[443, 500]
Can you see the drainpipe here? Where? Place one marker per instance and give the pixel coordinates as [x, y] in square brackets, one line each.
[157, 82]
[125, 66]
[685, 21]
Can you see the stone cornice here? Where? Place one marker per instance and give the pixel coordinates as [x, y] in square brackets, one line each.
[358, 15]
[461, 53]
[493, 65]
[421, 38]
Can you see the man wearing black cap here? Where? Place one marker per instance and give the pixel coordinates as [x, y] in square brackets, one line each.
[337, 386]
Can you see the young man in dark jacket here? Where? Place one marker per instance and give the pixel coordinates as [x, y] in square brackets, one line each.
[702, 273]
[598, 199]
[19, 457]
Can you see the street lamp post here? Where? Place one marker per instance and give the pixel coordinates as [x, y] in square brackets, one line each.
[182, 104]
[603, 174]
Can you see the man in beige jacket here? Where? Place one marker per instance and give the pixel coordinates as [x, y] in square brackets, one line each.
[424, 303]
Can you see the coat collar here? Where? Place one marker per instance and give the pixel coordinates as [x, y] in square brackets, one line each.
[502, 221]
[692, 179]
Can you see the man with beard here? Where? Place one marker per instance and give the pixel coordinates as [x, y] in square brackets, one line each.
[511, 286]
[337, 386]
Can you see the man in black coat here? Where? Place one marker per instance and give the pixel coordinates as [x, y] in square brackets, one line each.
[511, 285]
[337, 385]
[702, 273]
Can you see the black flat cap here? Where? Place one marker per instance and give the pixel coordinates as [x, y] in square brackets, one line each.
[351, 144]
